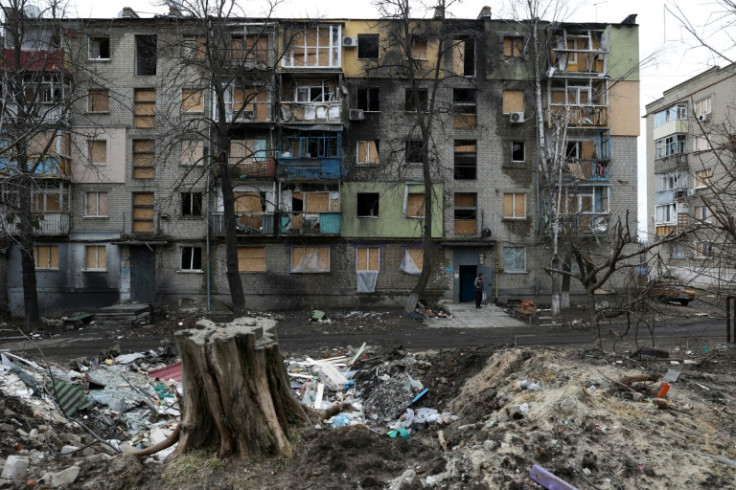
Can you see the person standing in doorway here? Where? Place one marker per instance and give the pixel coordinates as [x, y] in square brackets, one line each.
[478, 290]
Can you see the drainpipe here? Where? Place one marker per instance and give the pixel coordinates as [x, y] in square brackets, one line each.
[208, 209]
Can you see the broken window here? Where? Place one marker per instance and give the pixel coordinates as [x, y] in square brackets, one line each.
[674, 144]
[466, 165]
[466, 215]
[463, 57]
[517, 151]
[98, 100]
[191, 258]
[415, 102]
[413, 153]
[464, 108]
[513, 101]
[412, 261]
[193, 47]
[144, 159]
[367, 46]
[251, 259]
[46, 257]
[191, 204]
[95, 258]
[368, 99]
[97, 152]
[514, 205]
[514, 259]
[145, 55]
[143, 212]
[367, 266]
[703, 178]
[367, 153]
[418, 48]
[96, 204]
[98, 48]
[192, 100]
[310, 259]
[145, 108]
[368, 204]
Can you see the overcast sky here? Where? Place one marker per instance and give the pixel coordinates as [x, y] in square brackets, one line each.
[663, 42]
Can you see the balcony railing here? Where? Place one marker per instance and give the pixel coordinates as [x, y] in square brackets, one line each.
[50, 167]
[309, 168]
[591, 170]
[312, 112]
[303, 223]
[262, 168]
[51, 224]
[586, 223]
[294, 223]
[580, 115]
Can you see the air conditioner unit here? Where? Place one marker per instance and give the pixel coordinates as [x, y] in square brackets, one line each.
[704, 117]
[691, 192]
[349, 41]
[356, 115]
[516, 117]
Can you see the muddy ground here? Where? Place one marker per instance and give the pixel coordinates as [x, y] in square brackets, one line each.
[573, 411]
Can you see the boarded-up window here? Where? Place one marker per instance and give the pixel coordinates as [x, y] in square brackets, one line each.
[250, 103]
[368, 152]
[96, 204]
[703, 177]
[97, 151]
[192, 152]
[367, 259]
[464, 108]
[192, 100]
[252, 48]
[463, 57]
[144, 159]
[465, 160]
[46, 200]
[513, 46]
[466, 216]
[193, 47]
[143, 212]
[46, 256]
[247, 152]
[95, 257]
[513, 101]
[415, 205]
[514, 205]
[145, 108]
[310, 259]
[252, 259]
[98, 100]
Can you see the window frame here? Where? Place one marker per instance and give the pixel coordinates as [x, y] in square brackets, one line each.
[137, 196]
[367, 250]
[368, 99]
[96, 248]
[516, 42]
[189, 102]
[514, 216]
[463, 168]
[97, 204]
[413, 148]
[410, 105]
[193, 258]
[370, 147]
[665, 214]
[513, 152]
[52, 252]
[305, 249]
[408, 205]
[143, 48]
[104, 92]
[141, 154]
[703, 178]
[192, 204]
[91, 145]
[254, 270]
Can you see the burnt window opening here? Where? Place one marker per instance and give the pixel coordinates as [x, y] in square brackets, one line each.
[466, 167]
[145, 55]
[517, 151]
[368, 99]
[414, 151]
[367, 46]
[368, 204]
[99, 48]
[191, 258]
[412, 104]
[191, 204]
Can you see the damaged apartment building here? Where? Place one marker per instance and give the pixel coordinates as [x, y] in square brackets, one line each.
[323, 147]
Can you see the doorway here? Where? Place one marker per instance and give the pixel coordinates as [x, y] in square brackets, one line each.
[467, 283]
[142, 275]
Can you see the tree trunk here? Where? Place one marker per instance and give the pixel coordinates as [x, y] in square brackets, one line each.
[28, 266]
[237, 399]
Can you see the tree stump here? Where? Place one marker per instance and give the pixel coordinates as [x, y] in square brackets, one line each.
[237, 397]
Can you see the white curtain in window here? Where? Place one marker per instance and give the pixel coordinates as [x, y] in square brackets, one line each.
[311, 262]
[408, 265]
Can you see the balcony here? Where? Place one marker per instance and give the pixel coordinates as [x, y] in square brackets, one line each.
[50, 224]
[312, 112]
[591, 170]
[49, 167]
[592, 116]
[309, 168]
[301, 223]
[312, 155]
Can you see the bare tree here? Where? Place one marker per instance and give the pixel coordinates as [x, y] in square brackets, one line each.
[37, 99]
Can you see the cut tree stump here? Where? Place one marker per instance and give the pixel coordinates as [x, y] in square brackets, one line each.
[237, 397]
